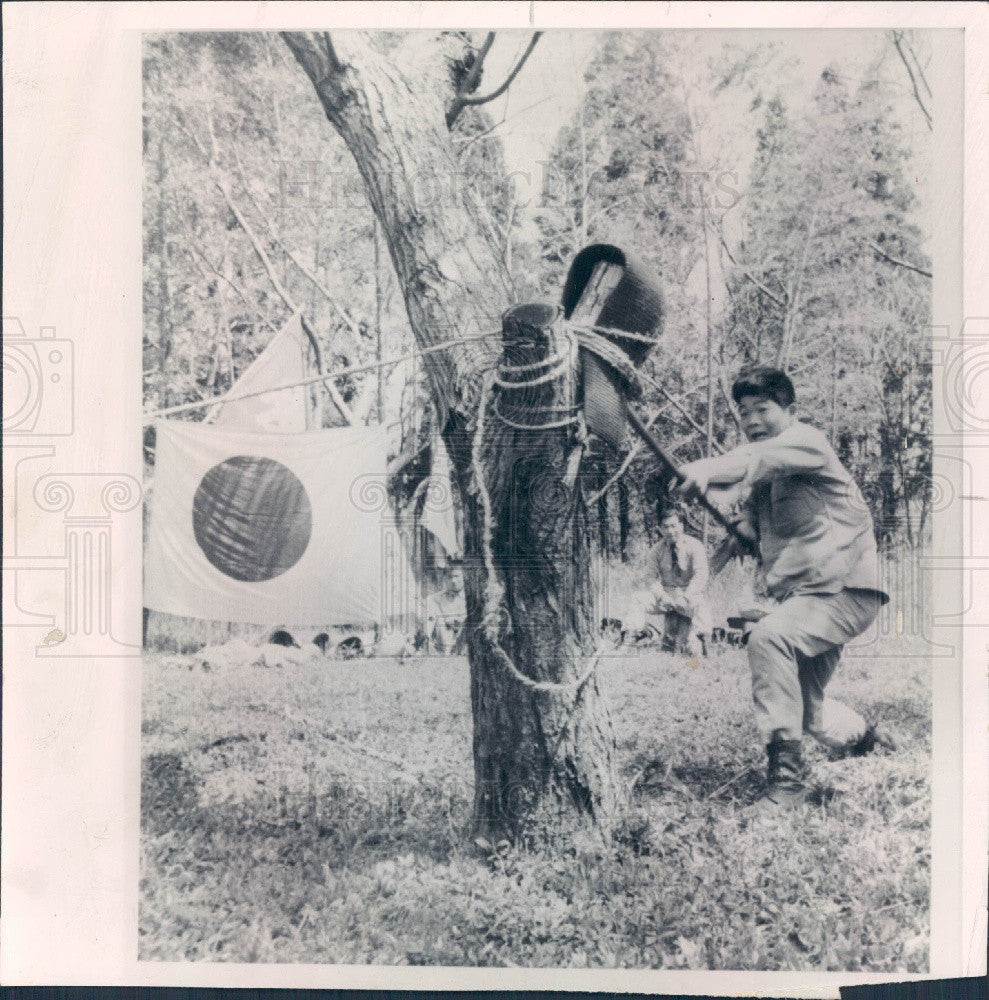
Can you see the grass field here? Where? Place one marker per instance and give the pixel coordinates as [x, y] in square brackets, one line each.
[319, 812]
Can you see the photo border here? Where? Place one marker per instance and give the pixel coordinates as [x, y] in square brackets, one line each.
[71, 732]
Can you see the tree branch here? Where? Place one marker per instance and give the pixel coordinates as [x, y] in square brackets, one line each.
[920, 69]
[751, 277]
[403, 460]
[684, 412]
[633, 453]
[462, 101]
[898, 43]
[324, 291]
[331, 53]
[313, 342]
[224, 188]
[626, 461]
[470, 82]
[306, 273]
[467, 141]
[315, 53]
[793, 297]
[200, 258]
[900, 263]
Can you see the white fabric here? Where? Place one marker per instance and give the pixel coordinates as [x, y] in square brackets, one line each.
[437, 512]
[283, 361]
[340, 575]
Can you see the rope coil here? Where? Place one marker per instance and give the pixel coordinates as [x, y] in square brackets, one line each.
[593, 339]
[559, 365]
[548, 425]
[494, 591]
[610, 331]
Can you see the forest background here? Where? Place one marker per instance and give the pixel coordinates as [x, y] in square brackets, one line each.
[776, 181]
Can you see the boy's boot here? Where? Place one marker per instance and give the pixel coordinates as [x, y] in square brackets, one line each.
[785, 788]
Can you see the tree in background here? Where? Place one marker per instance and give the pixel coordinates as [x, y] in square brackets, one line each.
[823, 286]
[254, 209]
[787, 233]
[236, 227]
[649, 163]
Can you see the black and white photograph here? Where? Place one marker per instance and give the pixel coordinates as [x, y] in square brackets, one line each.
[492, 496]
[546, 595]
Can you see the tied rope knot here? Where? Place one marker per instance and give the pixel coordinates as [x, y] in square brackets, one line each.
[597, 340]
[511, 378]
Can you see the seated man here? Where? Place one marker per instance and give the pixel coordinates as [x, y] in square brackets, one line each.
[674, 601]
[819, 565]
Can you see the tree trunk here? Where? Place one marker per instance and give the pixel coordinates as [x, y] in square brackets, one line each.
[164, 303]
[541, 752]
[378, 331]
[709, 334]
[604, 526]
[536, 750]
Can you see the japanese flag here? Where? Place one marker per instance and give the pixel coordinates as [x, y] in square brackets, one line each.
[270, 528]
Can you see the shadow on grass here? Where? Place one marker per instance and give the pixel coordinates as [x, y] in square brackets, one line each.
[343, 823]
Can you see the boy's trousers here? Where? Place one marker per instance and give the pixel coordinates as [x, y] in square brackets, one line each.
[793, 652]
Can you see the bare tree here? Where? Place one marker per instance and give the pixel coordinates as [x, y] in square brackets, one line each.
[918, 80]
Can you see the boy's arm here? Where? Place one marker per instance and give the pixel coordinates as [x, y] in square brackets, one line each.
[797, 449]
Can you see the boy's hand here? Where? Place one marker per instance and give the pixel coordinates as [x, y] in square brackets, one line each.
[734, 504]
[743, 524]
[696, 478]
[681, 604]
[661, 600]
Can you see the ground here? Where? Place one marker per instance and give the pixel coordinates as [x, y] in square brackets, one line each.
[319, 812]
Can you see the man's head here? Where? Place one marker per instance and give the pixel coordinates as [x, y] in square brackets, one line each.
[764, 397]
[670, 525]
[454, 583]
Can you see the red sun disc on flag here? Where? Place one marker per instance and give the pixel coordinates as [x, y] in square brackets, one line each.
[252, 518]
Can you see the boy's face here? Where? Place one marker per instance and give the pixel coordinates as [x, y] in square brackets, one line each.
[763, 418]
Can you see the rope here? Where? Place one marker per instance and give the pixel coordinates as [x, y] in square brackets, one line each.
[549, 425]
[550, 376]
[494, 591]
[591, 339]
[312, 380]
[557, 359]
[610, 331]
[558, 365]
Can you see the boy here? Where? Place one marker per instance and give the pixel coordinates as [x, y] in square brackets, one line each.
[820, 563]
[677, 570]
